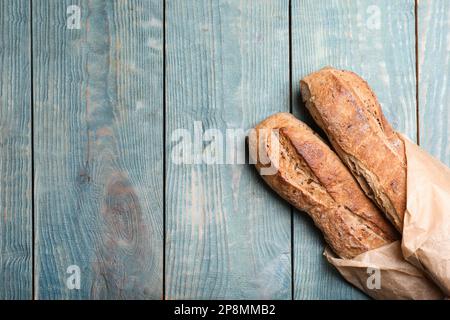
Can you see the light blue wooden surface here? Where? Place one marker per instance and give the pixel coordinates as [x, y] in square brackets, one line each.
[99, 138]
[15, 151]
[375, 40]
[434, 77]
[227, 235]
[98, 121]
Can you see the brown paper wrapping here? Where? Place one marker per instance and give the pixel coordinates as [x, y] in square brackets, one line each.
[426, 230]
[399, 280]
[425, 242]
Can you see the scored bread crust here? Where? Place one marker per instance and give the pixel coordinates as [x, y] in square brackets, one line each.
[313, 179]
[345, 107]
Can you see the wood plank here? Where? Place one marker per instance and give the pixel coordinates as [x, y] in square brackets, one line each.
[434, 77]
[376, 40]
[98, 149]
[227, 235]
[15, 154]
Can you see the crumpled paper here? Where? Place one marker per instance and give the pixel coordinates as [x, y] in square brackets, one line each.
[425, 241]
[398, 279]
[426, 231]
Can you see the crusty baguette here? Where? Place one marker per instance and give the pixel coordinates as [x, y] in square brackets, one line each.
[345, 107]
[313, 179]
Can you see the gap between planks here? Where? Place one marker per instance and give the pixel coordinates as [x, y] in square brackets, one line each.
[416, 26]
[33, 233]
[164, 154]
[291, 98]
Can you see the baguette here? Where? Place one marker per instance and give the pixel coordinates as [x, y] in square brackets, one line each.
[311, 177]
[345, 107]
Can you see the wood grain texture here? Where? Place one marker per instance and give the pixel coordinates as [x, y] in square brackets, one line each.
[377, 41]
[434, 77]
[98, 149]
[227, 234]
[15, 151]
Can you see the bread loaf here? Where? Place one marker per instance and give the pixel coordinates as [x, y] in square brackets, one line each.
[345, 107]
[313, 179]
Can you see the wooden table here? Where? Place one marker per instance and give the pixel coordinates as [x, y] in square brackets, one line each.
[87, 116]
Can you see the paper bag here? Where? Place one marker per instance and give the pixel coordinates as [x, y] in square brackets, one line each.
[425, 239]
[383, 273]
[426, 230]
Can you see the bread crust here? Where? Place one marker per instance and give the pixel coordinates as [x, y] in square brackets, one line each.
[345, 107]
[313, 179]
